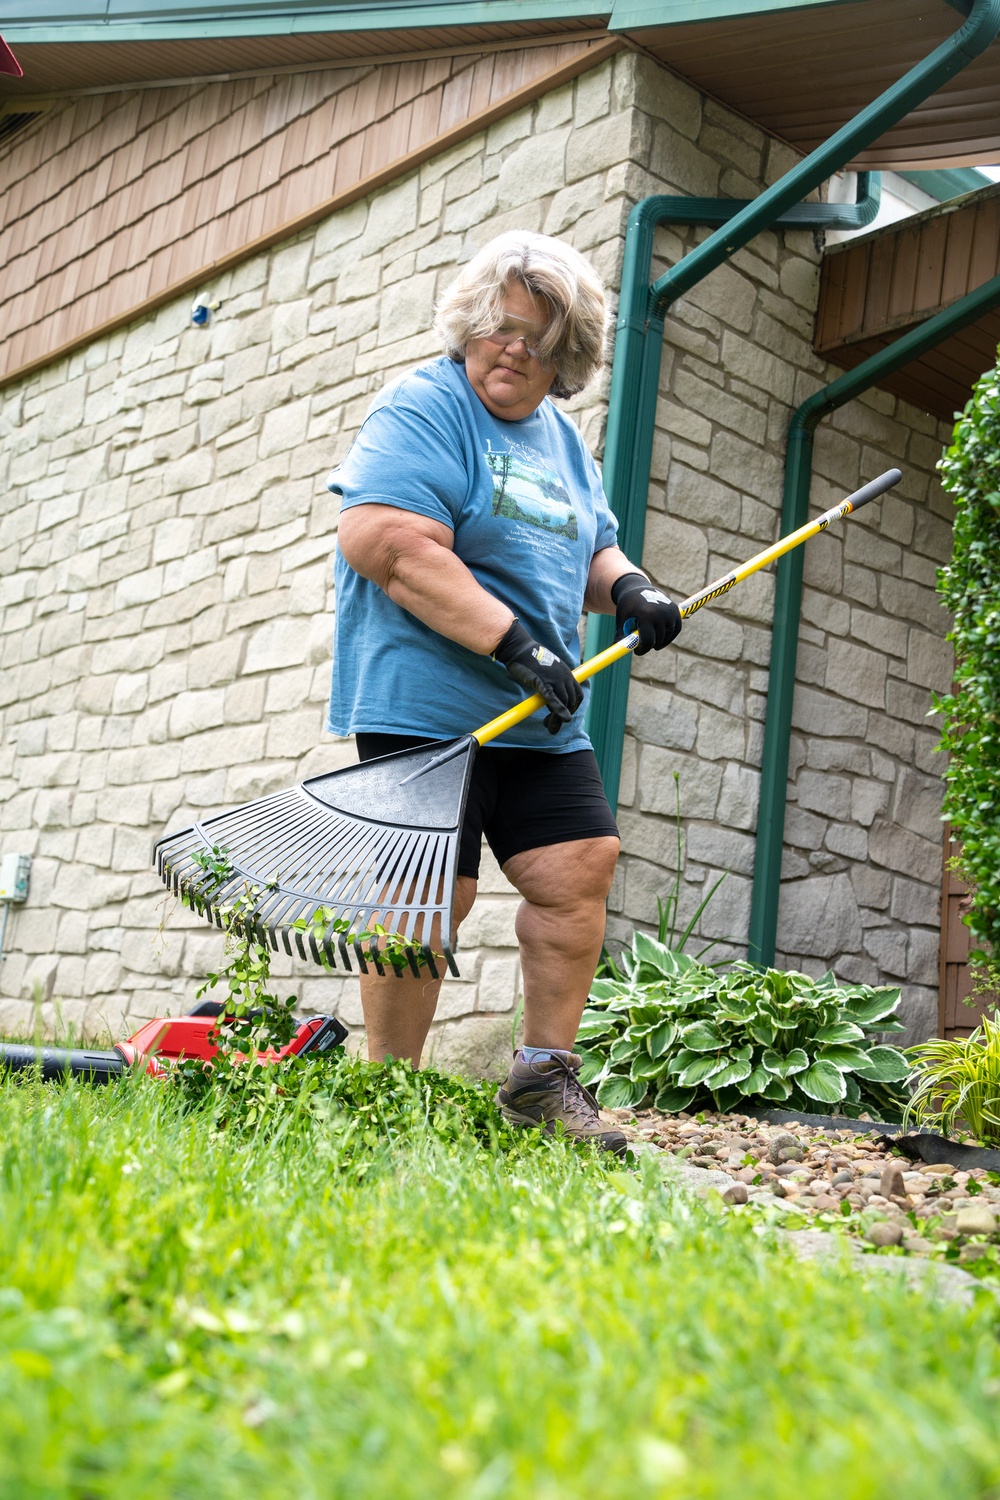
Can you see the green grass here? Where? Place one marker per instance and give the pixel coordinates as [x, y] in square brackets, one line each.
[304, 1308]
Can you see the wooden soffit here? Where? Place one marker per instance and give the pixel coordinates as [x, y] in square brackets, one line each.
[802, 72]
[877, 286]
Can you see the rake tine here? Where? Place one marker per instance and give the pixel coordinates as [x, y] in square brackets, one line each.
[330, 952]
[345, 957]
[427, 953]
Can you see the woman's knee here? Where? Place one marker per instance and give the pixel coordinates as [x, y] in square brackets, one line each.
[565, 874]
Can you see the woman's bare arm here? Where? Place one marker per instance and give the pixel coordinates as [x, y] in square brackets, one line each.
[412, 560]
[607, 565]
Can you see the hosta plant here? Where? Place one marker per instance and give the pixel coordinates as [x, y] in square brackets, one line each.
[680, 1035]
[957, 1080]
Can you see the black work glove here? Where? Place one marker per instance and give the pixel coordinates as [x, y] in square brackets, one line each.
[539, 670]
[641, 606]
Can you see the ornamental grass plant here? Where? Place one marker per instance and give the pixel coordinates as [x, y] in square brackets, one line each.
[956, 1083]
[203, 1301]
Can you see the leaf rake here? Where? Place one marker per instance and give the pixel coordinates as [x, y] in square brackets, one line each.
[363, 859]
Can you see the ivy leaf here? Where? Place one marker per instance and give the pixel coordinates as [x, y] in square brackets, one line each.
[822, 1081]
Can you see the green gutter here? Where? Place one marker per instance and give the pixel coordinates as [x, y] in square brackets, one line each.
[252, 20]
[788, 596]
[635, 375]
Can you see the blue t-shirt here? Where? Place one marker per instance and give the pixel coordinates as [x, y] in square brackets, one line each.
[526, 506]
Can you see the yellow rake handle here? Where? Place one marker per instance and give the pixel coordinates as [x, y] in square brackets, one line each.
[528, 706]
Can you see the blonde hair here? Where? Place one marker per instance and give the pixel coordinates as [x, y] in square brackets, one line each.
[472, 306]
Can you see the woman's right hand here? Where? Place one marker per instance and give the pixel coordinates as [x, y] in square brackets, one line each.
[541, 671]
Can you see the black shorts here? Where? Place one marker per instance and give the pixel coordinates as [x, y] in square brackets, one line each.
[519, 799]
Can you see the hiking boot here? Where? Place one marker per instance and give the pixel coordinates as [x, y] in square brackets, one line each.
[548, 1090]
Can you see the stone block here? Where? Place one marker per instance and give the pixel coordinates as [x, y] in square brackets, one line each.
[477, 1046]
[657, 717]
[738, 796]
[824, 793]
[856, 674]
[887, 636]
[819, 916]
[901, 850]
[700, 783]
[803, 830]
[911, 601]
[191, 712]
[533, 169]
[498, 986]
[605, 143]
[851, 842]
[721, 848]
[280, 643]
[490, 924]
[930, 660]
[284, 428]
[818, 713]
[407, 308]
[675, 553]
[916, 803]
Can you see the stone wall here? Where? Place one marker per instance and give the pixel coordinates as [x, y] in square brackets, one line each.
[165, 578]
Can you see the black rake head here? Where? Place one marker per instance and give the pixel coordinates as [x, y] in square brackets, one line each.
[362, 859]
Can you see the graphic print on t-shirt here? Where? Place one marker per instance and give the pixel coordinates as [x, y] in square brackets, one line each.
[525, 490]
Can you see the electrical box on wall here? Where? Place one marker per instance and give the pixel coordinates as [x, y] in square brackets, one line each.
[15, 871]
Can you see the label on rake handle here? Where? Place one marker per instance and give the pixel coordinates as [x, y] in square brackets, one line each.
[714, 591]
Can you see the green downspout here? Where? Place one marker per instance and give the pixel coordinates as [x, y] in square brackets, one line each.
[635, 375]
[788, 595]
[632, 408]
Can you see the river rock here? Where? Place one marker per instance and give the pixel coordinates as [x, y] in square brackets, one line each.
[891, 1184]
[976, 1218]
[736, 1194]
[885, 1234]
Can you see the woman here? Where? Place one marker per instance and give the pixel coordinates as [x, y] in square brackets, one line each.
[474, 532]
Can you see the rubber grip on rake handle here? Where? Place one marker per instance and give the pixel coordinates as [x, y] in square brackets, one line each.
[606, 658]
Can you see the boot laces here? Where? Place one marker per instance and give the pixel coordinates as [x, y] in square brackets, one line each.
[576, 1099]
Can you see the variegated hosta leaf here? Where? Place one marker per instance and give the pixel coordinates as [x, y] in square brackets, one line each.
[659, 1040]
[873, 1006]
[776, 1090]
[822, 1081]
[592, 1067]
[702, 1036]
[623, 1050]
[645, 1067]
[884, 1065]
[671, 1099]
[702, 1069]
[755, 1082]
[620, 1093]
[680, 1060]
[784, 1064]
[734, 1072]
[843, 1056]
[839, 1031]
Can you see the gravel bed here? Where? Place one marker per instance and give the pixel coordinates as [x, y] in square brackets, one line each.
[846, 1180]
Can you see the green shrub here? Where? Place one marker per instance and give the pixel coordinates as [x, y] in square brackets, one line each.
[970, 588]
[682, 1035]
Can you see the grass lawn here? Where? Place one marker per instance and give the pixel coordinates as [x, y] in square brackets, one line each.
[305, 1303]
